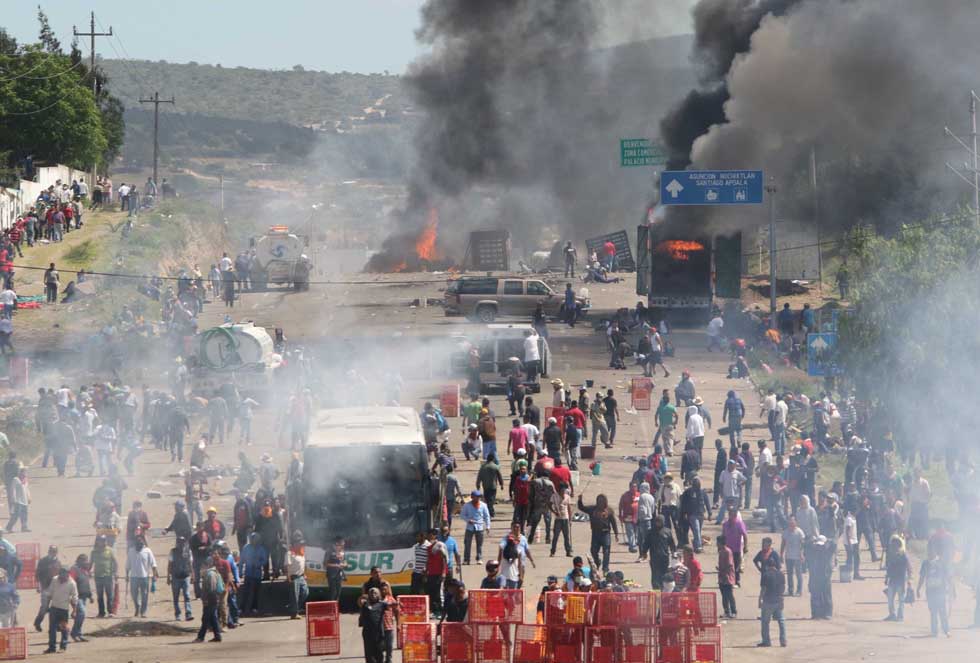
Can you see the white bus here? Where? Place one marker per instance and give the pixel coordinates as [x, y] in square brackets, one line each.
[366, 479]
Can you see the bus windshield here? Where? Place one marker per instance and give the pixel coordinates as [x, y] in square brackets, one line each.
[376, 497]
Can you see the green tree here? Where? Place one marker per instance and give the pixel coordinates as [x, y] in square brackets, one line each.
[46, 34]
[47, 111]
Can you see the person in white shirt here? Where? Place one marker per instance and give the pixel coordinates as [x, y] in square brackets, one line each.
[766, 411]
[225, 263]
[695, 429]
[513, 569]
[6, 331]
[533, 434]
[105, 442]
[141, 565]
[714, 333]
[8, 298]
[20, 499]
[532, 354]
[851, 546]
[62, 602]
[731, 482]
[779, 425]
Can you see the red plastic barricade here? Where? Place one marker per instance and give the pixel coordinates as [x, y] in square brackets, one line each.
[671, 645]
[322, 628]
[496, 606]
[600, 644]
[688, 609]
[704, 644]
[530, 644]
[569, 608]
[635, 644]
[457, 643]
[28, 554]
[566, 643]
[627, 609]
[13, 644]
[412, 609]
[492, 643]
[418, 643]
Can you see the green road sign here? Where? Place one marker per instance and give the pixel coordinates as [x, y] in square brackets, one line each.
[641, 152]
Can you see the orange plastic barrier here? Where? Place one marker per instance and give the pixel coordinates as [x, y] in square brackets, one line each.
[600, 644]
[627, 609]
[29, 554]
[688, 609]
[569, 608]
[418, 643]
[412, 609]
[492, 642]
[496, 606]
[531, 644]
[457, 644]
[13, 644]
[635, 644]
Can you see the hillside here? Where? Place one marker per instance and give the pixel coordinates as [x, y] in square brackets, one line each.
[302, 98]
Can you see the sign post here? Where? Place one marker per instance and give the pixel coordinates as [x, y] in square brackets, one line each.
[640, 152]
[711, 187]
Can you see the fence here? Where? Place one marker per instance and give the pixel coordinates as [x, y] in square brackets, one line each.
[13, 644]
[14, 203]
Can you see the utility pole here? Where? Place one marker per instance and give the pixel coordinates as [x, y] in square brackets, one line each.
[771, 193]
[975, 180]
[156, 101]
[221, 194]
[816, 217]
[91, 69]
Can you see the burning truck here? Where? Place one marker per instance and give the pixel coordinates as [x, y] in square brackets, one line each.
[684, 273]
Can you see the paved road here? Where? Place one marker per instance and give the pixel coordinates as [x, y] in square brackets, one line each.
[62, 513]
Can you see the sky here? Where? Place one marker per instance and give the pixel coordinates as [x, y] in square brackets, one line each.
[330, 35]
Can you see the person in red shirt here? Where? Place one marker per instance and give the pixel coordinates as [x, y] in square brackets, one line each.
[560, 474]
[520, 493]
[518, 438]
[694, 573]
[215, 527]
[610, 250]
[222, 566]
[436, 567]
[629, 505]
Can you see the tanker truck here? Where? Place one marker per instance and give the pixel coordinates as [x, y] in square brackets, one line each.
[240, 354]
[279, 259]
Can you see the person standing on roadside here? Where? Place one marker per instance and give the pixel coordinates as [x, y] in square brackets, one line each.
[488, 479]
[602, 521]
[561, 508]
[898, 578]
[737, 539]
[726, 578]
[934, 574]
[51, 283]
[372, 623]
[104, 570]
[667, 419]
[791, 550]
[81, 574]
[612, 415]
[20, 501]
[141, 567]
[178, 577]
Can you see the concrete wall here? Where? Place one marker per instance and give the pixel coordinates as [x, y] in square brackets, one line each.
[15, 202]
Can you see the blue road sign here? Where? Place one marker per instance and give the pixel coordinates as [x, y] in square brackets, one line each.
[821, 354]
[711, 187]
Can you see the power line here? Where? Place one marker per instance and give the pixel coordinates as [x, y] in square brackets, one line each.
[39, 78]
[34, 112]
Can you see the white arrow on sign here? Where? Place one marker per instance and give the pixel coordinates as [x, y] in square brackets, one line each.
[674, 188]
[819, 344]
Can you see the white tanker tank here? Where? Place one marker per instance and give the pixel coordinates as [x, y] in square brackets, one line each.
[241, 354]
[279, 259]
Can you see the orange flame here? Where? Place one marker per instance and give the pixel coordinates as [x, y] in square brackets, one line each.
[679, 249]
[400, 267]
[425, 245]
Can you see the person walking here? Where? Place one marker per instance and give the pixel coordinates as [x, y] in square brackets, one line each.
[372, 623]
[179, 567]
[81, 574]
[62, 597]
[791, 550]
[104, 570]
[141, 567]
[737, 539]
[602, 521]
[476, 515]
[561, 509]
[935, 575]
[296, 571]
[20, 500]
[726, 578]
[212, 590]
[771, 601]
[898, 578]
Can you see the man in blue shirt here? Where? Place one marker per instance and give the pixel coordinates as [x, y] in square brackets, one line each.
[233, 593]
[476, 515]
[254, 557]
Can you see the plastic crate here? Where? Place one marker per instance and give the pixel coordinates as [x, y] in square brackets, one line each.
[635, 644]
[28, 554]
[530, 644]
[689, 609]
[671, 645]
[626, 609]
[322, 628]
[704, 644]
[566, 643]
[496, 606]
[13, 644]
[600, 644]
[418, 643]
[456, 643]
[492, 643]
[27, 579]
[413, 608]
[569, 608]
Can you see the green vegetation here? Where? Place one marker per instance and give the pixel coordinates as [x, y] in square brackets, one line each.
[81, 254]
[49, 111]
[296, 97]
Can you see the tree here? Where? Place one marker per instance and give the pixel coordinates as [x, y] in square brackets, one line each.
[48, 111]
[46, 34]
[8, 45]
[912, 342]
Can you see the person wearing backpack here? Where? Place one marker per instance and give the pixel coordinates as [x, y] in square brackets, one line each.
[212, 589]
[178, 577]
[487, 427]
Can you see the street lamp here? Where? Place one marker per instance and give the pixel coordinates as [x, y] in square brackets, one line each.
[771, 193]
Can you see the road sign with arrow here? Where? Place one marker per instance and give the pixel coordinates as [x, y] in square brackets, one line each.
[711, 187]
[821, 354]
